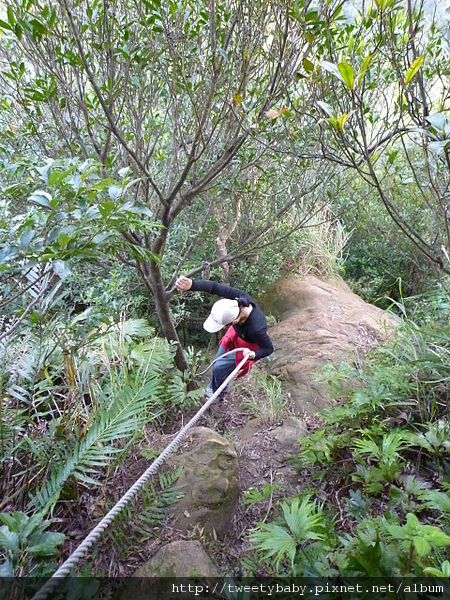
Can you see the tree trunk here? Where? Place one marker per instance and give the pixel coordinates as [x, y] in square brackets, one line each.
[152, 277]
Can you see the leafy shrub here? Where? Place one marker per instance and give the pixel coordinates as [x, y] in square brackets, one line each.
[26, 545]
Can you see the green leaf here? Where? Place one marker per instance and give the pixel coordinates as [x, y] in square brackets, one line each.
[102, 184]
[434, 535]
[101, 237]
[45, 170]
[142, 254]
[396, 531]
[275, 540]
[106, 208]
[61, 269]
[444, 571]
[41, 198]
[122, 420]
[302, 519]
[31, 525]
[414, 68]
[52, 18]
[412, 523]
[115, 192]
[39, 28]
[348, 74]
[9, 540]
[339, 122]
[46, 544]
[437, 121]
[140, 209]
[16, 521]
[5, 25]
[26, 238]
[421, 545]
[327, 108]
[57, 177]
[436, 500]
[331, 68]
[308, 65]
[11, 17]
[63, 239]
[363, 69]
[383, 4]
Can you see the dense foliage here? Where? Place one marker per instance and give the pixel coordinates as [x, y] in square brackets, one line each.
[143, 139]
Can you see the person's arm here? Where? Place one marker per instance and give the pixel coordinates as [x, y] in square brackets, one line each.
[265, 344]
[219, 289]
[184, 284]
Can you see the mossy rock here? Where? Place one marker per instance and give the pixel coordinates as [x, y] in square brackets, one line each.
[209, 482]
[177, 563]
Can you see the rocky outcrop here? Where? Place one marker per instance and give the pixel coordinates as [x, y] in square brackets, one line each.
[173, 563]
[320, 322]
[209, 482]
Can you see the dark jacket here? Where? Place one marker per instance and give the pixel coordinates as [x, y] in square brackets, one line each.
[254, 329]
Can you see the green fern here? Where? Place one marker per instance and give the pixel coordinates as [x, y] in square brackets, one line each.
[387, 452]
[156, 500]
[436, 500]
[254, 496]
[435, 439]
[144, 514]
[120, 422]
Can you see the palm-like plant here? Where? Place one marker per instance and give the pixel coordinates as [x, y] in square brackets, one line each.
[302, 523]
[386, 452]
[110, 430]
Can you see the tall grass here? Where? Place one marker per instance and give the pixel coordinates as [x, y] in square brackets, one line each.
[265, 400]
[321, 244]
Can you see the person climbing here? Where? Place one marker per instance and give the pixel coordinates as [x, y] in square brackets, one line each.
[248, 328]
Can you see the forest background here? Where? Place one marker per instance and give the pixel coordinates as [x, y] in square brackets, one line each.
[234, 140]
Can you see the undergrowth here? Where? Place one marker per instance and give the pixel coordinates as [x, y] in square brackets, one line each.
[71, 414]
[374, 476]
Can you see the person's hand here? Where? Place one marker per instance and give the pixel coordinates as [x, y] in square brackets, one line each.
[247, 352]
[183, 284]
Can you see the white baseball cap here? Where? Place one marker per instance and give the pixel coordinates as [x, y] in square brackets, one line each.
[223, 312]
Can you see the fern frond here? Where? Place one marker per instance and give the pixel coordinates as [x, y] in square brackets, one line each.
[19, 393]
[274, 540]
[122, 421]
[139, 328]
[436, 500]
[304, 520]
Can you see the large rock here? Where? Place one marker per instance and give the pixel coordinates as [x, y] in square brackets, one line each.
[210, 483]
[288, 434]
[179, 563]
[320, 322]
[182, 558]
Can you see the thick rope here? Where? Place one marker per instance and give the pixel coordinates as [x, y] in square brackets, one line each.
[82, 549]
[218, 358]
